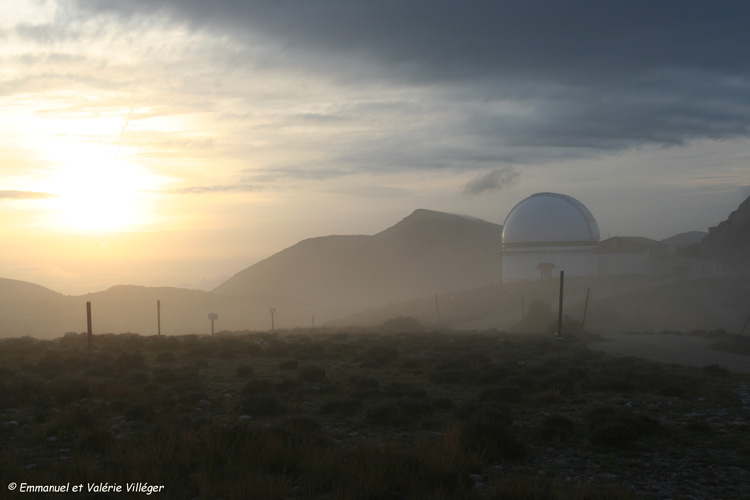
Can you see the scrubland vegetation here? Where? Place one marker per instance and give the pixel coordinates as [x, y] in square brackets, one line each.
[369, 415]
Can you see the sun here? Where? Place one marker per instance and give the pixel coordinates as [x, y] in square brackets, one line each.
[93, 194]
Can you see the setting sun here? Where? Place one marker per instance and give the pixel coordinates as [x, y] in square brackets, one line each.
[93, 194]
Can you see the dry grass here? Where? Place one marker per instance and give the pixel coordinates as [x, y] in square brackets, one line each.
[342, 415]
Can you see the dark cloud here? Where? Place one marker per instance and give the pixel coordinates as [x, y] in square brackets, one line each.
[494, 180]
[588, 77]
[25, 195]
[451, 38]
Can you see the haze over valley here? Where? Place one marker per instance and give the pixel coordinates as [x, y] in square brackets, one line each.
[443, 269]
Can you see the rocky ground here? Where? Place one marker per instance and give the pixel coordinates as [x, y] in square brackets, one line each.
[331, 414]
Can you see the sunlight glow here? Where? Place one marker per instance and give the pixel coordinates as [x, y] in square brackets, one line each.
[96, 194]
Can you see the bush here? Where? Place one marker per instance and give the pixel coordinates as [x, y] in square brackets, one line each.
[287, 385]
[401, 390]
[290, 364]
[312, 374]
[140, 412]
[131, 360]
[502, 394]
[619, 428]
[491, 440]
[165, 357]
[260, 406]
[245, 371]
[556, 427]
[346, 407]
[615, 434]
[399, 412]
[716, 370]
[379, 356]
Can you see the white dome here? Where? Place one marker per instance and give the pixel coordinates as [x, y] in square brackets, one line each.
[549, 218]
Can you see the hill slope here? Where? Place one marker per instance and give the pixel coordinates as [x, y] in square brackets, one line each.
[684, 240]
[427, 252]
[729, 242]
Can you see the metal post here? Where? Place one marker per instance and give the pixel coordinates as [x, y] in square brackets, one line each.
[560, 308]
[158, 317]
[272, 311]
[523, 310]
[585, 308]
[88, 322]
[212, 317]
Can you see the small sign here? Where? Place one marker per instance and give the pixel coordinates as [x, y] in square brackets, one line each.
[213, 316]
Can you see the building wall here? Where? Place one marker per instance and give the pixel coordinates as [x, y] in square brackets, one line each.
[521, 263]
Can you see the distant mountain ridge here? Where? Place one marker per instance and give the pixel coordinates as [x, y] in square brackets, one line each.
[317, 279]
[427, 252]
[729, 242]
[684, 240]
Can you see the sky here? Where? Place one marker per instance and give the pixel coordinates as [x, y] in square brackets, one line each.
[176, 142]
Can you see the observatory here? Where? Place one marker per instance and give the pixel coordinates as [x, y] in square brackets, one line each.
[549, 232]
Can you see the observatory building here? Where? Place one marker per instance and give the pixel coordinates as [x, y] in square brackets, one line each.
[547, 233]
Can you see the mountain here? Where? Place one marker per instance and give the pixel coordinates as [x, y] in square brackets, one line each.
[426, 253]
[29, 309]
[313, 281]
[729, 242]
[684, 240]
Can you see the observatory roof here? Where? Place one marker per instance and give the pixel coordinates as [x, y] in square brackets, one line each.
[549, 218]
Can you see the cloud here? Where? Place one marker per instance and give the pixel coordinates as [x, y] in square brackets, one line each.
[320, 173]
[25, 195]
[375, 192]
[227, 188]
[494, 180]
[542, 79]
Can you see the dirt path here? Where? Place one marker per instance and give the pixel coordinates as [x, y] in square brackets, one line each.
[677, 349]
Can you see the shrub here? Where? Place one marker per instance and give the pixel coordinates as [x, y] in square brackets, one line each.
[287, 385]
[615, 434]
[365, 384]
[256, 386]
[443, 403]
[379, 356]
[619, 428]
[698, 426]
[290, 364]
[140, 412]
[245, 371]
[399, 412]
[716, 370]
[258, 406]
[401, 390]
[411, 364]
[194, 398]
[131, 360]
[449, 376]
[312, 374]
[165, 357]
[485, 412]
[491, 440]
[556, 427]
[346, 407]
[502, 394]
